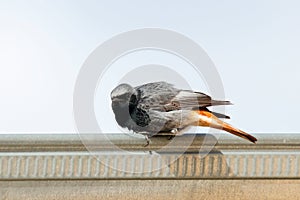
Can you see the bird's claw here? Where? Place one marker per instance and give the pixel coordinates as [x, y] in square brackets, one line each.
[147, 141]
[171, 137]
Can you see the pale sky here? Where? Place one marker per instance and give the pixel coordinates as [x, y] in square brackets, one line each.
[255, 46]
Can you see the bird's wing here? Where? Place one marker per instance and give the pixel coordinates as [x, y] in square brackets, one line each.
[155, 88]
[163, 96]
[155, 95]
[187, 99]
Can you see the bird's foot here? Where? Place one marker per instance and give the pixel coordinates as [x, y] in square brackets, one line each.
[148, 141]
[171, 137]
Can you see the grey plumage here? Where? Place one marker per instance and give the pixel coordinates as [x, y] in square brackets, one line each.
[158, 107]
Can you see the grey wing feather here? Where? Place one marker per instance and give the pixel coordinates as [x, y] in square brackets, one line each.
[187, 99]
[156, 95]
[156, 88]
[163, 96]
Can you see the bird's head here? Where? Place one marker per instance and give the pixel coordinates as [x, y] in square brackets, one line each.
[121, 95]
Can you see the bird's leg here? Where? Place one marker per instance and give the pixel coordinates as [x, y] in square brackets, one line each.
[147, 141]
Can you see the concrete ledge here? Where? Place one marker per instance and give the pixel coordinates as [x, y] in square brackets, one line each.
[93, 156]
[150, 189]
[134, 142]
[91, 167]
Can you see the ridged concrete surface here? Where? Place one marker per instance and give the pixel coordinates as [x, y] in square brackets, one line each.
[69, 167]
[82, 165]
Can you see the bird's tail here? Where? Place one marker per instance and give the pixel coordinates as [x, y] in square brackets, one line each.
[208, 119]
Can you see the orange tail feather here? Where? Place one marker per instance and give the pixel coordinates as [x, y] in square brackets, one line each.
[208, 119]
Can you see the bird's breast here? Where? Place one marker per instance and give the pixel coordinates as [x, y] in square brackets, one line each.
[131, 117]
[122, 114]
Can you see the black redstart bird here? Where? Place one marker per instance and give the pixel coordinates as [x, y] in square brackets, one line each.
[160, 107]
